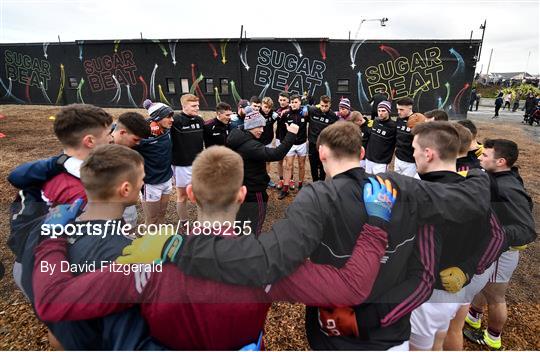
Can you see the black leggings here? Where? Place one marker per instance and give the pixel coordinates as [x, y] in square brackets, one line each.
[315, 164]
[497, 108]
[253, 210]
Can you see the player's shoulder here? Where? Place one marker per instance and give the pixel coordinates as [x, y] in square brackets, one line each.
[63, 189]
[62, 178]
[210, 122]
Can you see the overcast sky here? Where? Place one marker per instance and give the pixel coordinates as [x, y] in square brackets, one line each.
[512, 26]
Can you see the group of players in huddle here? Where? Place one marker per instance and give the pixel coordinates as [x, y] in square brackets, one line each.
[382, 260]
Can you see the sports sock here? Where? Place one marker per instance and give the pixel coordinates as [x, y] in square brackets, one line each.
[493, 334]
[474, 314]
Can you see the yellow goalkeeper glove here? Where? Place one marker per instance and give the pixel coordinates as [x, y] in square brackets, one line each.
[159, 247]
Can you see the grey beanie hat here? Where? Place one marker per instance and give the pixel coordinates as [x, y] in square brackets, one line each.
[253, 119]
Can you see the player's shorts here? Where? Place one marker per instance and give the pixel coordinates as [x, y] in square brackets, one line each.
[375, 168]
[153, 193]
[405, 168]
[505, 266]
[182, 176]
[269, 145]
[298, 150]
[433, 316]
[278, 142]
[17, 276]
[477, 284]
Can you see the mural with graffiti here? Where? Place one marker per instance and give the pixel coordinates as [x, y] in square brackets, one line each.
[123, 73]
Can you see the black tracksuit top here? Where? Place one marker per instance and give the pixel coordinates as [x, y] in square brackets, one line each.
[382, 141]
[513, 206]
[268, 132]
[295, 117]
[468, 162]
[318, 121]
[470, 245]
[255, 155]
[404, 138]
[215, 132]
[187, 137]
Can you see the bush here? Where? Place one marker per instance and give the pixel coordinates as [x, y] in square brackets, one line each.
[522, 90]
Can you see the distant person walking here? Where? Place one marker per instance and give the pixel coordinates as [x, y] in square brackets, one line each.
[472, 100]
[516, 103]
[498, 104]
[478, 96]
[507, 99]
[530, 104]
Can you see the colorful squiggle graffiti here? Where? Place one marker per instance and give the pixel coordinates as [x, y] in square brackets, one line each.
[44, 92]
[457, 99]
[243, 56]
[322, 49]
[235, 94]
[145, 90]
[163, 50]
[118, 93]
[394, 54]
[152, 83]
[80, 99]
[162, 97]
[9, 93]
[116, 45]
[362, 97]
[223, 48]
[216, 95]
[130, 97]
[297, 47]
[460, 63]
[353, 50]
[263, 91]
[62, 82]
[447, 86]
[172, 48]
[214, 50]
[327, 86]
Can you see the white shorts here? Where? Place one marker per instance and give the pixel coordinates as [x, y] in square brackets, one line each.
[405, 168]
[182, 176]
[130, 215]
[17, 276]
[374, 168]
[153, 193]
[478, 282]
[505, 266]
[433, 316]
[278, 142]
[299, 150]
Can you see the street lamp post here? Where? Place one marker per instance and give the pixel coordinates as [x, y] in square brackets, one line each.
[381, 20]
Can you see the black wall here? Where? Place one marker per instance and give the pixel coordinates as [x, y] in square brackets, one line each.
[437, 74]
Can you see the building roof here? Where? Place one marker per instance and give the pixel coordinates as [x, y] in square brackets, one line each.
[511, 75]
